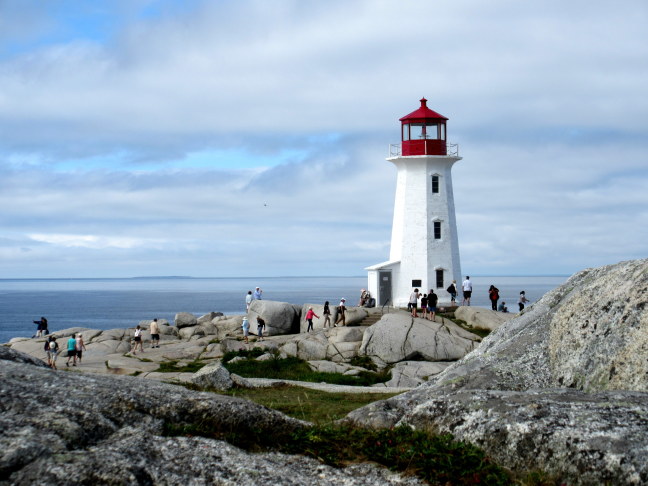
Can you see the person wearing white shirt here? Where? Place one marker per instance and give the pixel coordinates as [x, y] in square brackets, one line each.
[467, 290]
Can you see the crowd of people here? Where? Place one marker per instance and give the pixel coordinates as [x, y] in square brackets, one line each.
[427, 303]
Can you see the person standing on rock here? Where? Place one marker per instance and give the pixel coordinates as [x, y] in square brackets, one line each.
[154, 329]
[80, 347]
[433, 299]
[467, 290]
[260, 326]
[137, 340]
[71, 350]
[246, 329]
[522, 300]
[452, 290]
[424, 305]
[248, 301]
[309, 319]
[327, 314]
[257, 293]
[493, 296]
[341, 317]
[413, 302]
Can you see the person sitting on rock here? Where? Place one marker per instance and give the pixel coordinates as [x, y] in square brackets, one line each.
[502, 307]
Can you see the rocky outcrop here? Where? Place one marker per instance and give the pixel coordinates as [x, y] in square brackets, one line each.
[413, 373]
[545, 389]
[280, 317]
[481, 318]
[59, 428]
[400, 337]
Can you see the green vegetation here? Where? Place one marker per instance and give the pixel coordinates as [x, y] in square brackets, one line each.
[295, 369]
[437, 459]
[305, 404]
[363, 362]
[464, 325]
[172, 367]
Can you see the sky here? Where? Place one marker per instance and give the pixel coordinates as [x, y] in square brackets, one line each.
[248, 138]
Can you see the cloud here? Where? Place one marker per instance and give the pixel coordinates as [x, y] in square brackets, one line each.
[249, 138]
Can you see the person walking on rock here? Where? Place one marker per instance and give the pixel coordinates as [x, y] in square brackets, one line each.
[327, 314]
[341, 317]
[80, 347]
[309, 318]
[52, 352]
[493, 296]
[467, 290]
[522, 300]
[137, 340]
[246, 329]
[154, 329]
[433, 299]
[452, 290]
[71, 350]
[260, 326]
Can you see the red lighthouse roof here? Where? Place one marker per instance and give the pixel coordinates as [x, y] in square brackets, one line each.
[423, 113]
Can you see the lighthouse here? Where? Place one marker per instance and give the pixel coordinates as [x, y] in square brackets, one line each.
[424, 250]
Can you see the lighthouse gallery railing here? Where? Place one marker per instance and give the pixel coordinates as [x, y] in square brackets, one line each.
[452, 149]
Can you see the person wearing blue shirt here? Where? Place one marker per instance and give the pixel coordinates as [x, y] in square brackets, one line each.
[257, 293]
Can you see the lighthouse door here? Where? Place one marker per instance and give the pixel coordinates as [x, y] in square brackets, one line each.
[384, 288]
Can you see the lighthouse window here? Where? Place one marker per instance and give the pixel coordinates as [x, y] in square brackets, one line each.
[442, 132]
[439, 279]
[406, 132]
[435, 184]
[437, 230]
[416, 131]
[432, 131]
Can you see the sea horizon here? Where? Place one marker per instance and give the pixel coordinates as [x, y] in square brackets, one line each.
[122, 302]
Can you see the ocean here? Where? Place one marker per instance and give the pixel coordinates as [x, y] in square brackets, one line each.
[109, 303]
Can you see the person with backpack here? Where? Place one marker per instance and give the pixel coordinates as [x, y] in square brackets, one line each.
[493, 295]
[52, 352]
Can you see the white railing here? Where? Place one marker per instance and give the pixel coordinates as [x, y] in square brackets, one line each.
[452, 149]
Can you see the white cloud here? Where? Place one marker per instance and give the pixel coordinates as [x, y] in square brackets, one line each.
[99, 136]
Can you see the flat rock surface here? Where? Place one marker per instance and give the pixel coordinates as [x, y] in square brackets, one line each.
[59, 428]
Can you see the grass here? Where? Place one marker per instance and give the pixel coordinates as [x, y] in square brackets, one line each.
[482, 333]
[172, 367]
[314, 406]
[297, 369]
[438, 459]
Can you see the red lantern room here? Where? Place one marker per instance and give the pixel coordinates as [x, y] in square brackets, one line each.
[423, 132]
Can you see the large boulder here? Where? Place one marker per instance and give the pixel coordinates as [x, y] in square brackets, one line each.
[280, 317]
[214, 375]
[185, 319]
[481, 318]
[401, 337]
[544, 390]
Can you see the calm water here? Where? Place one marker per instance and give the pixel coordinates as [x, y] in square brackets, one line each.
[121, 303]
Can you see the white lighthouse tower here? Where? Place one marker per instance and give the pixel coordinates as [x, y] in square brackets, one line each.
[424, 250]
